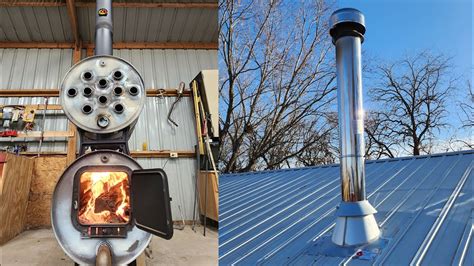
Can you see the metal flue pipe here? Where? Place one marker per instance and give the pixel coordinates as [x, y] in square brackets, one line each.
[347, 32]
[355, 223]
[103, 27]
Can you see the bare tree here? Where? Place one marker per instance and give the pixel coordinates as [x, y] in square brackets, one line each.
[412, 98]
[467, 118]
[379, 142]
[277, 82]
[467, 108]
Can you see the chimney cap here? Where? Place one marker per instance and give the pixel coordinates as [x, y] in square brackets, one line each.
[347, 22]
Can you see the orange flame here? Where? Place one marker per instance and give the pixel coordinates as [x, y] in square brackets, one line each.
[104, 198]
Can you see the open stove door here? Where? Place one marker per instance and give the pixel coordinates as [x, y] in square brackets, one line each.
[151, 202]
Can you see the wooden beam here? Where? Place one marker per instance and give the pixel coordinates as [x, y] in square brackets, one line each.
[114, 4]
[47, 134]
[167, 45]
[134, 154]
[50, 153]
[55, 93]
[90, 51]
[30, 4]
[153, 5]
[37, 45]
[76, 55]
[71, 144]
[72, 14]
[38, 106]
[118, 45]
[29, 93]
[163, 154]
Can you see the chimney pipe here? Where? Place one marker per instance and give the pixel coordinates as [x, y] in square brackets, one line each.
[103, 27]
[355, 223]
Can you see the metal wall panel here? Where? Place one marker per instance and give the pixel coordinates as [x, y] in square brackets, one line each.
[286, 217]
[166, 68]
[45, 68]
[34, 68]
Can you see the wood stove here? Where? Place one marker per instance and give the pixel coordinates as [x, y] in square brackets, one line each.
[105, 206]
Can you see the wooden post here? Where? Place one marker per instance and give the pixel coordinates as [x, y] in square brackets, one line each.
[72, 13]
[72, 141]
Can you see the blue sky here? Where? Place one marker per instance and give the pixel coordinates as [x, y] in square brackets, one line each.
[399, 27]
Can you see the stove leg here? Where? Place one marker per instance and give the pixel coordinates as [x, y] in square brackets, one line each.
[104, 257]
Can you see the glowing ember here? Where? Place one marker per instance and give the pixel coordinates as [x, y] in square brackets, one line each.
[104, 198]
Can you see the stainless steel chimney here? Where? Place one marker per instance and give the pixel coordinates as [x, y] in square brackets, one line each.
[103, 27]
[355, 222]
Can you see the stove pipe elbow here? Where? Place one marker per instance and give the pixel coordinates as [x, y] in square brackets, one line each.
[355, 223]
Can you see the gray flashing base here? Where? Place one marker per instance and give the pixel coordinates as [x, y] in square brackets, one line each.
[325, 247]
[355, 224]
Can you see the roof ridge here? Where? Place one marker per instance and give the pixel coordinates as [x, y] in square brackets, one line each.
[463, 152]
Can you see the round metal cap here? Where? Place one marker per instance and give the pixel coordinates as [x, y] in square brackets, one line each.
[346, 15]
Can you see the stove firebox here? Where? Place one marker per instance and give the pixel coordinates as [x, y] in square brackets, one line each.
[104, 198]
[102, 201]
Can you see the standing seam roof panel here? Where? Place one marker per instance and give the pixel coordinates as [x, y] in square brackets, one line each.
[423, 204]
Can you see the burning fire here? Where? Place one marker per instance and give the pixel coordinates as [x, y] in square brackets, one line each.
[104, 198]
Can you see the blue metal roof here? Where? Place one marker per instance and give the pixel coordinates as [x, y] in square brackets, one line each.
[425, 211]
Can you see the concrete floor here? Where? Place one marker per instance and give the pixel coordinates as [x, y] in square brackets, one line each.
[39, 247]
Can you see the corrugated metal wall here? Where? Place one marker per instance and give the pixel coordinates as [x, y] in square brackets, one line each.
[34, 68]
[45, 68]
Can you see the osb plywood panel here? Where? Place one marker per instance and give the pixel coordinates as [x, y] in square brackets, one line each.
[46, 173]
[14, 189]
[211, 196]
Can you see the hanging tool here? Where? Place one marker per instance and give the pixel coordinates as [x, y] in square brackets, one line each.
[180, 94]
